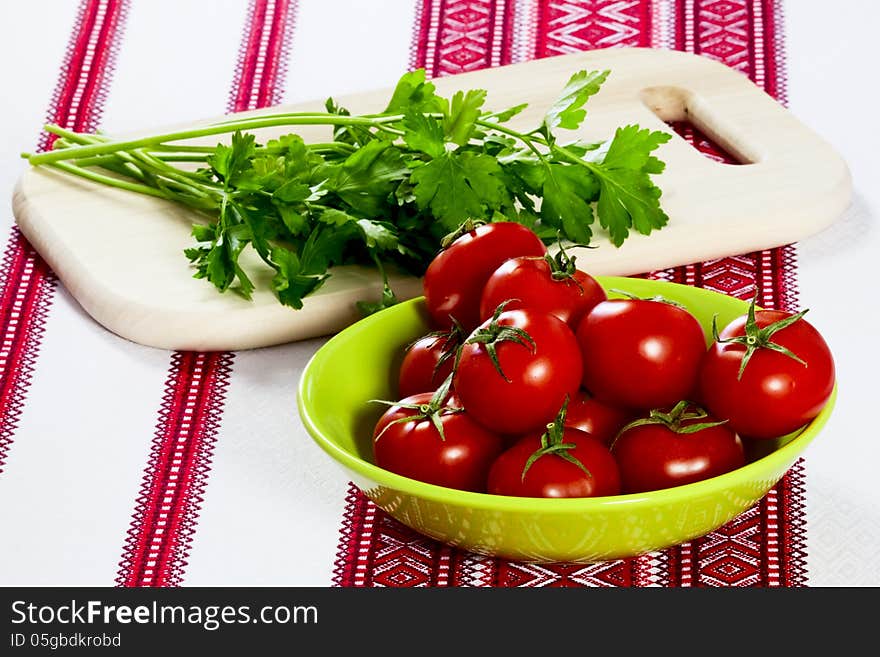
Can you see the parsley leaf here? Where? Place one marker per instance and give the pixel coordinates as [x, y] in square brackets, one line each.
[290, 282]
[294, 221]
[505, 115]
[414, 94]
[378, 235]
[229, 162]
[424, 133]
[460, 120]
[459, 186]
[293, 191]
[628, 198]
[568, 191]
[368, 176]
[567, 112]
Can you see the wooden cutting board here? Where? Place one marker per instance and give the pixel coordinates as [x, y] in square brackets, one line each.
[120, 254]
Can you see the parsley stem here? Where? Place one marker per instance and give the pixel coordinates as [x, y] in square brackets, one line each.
[165, 170]
[338, 146]
[105, 161]
[175, 157]
[183, 148]
[294, 116]
[106, 147]
[70, 136]
[133, 164]
[144, 164]
[571, 157]
[528, 141]
[108, 180]
[170, 154]
[182, 190]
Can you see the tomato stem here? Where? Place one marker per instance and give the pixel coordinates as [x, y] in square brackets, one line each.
[563, 266]
[758, 338]
[494, 334]
[432, 411]
[552, 442]
[657, 297]
[466, 226]
[451, 348]
[450, 344]
[674, 419]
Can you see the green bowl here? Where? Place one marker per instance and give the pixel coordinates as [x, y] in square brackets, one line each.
[360, 363]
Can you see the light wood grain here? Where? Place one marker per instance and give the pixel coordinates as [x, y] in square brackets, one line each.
[120, 254]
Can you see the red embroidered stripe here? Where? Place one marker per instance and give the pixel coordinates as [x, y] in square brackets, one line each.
[26, 282]
[166, 512]
[262, 60]
[24, 303]
[455, 37]
[578, 25]
[352, 566]
[765, 545]
[171, 496]
[79, 96]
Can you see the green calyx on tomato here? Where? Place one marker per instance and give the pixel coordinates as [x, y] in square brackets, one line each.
[562, 266]
[451, 341]
[493, 334]
[463, 229]
[658, 298]
[759, 338]
[552, 443]
[433, 410]
[674, 420]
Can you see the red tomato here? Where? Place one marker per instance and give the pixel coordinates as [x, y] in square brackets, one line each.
[538, 372]
[427, 362]
[640, 353]
[530, 282]
[559, 473]
[655, 456]
[454, 279]
[777, 394]
[597, 418]
[414, 447]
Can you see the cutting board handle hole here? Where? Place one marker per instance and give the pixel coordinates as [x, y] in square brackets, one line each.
[697, 122]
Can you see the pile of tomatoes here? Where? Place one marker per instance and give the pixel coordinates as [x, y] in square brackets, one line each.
[535, 383]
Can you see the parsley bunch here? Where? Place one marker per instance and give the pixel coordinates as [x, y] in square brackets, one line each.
[385, 188]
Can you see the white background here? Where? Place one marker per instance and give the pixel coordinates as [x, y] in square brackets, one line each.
[273, 504]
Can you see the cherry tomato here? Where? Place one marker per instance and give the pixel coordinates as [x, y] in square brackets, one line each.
[427, 362]
[529, 283]
[655, 456]
[595, 417]
[539, 363]
[455, 278]
[640, 353]
[585, 468]
[407, 442]
[777, 393]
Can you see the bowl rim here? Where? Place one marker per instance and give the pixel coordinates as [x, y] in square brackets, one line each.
[784, 455]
